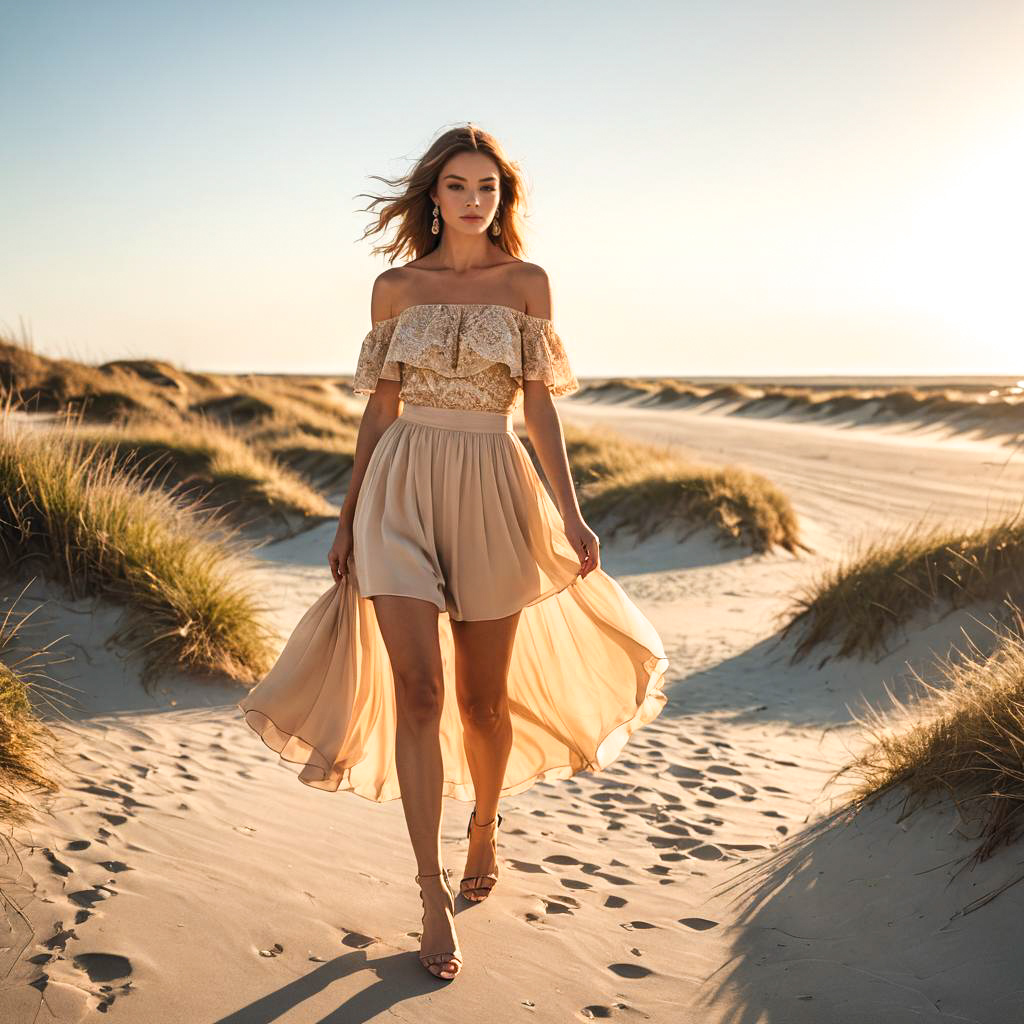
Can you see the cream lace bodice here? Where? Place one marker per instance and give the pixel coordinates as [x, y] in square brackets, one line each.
[464, 356]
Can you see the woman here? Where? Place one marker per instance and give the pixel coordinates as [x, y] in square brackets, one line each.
[471, 644]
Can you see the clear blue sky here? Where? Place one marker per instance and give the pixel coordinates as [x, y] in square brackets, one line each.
[724, 187]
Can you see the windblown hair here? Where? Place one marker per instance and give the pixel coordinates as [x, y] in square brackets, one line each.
[414, 208]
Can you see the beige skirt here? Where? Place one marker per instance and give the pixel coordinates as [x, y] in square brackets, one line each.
[451, 510]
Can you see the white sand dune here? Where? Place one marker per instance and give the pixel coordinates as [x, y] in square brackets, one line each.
[184, 874]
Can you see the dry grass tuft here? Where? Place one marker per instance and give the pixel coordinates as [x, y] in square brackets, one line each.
[647, 487]
[890, 577]
[963, 739]
[215, 464]
[27, 745]
[100, 531]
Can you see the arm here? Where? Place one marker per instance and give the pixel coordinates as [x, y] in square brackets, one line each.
[544, 428]
[382, 407]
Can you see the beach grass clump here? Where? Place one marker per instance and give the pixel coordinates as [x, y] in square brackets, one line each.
[648, 487]
[890, 577]
[27, 744]
[963, 739]
[213, 463]
[178, 570]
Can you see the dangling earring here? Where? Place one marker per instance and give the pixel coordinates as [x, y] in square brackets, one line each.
[435, 227]
[495, 226]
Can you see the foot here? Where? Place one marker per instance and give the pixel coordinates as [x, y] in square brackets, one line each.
[481, 872]
[439, 945]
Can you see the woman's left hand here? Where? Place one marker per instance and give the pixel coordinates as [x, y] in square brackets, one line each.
[584, 542]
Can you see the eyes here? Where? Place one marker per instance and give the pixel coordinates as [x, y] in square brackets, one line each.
[489, 188]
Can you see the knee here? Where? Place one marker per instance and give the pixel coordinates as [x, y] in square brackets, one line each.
[420, 696]
[482, 714]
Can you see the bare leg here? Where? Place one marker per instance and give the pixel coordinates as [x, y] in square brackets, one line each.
[483, 651]
[408, 626]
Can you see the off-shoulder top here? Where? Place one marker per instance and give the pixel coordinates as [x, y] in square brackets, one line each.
[464, 356]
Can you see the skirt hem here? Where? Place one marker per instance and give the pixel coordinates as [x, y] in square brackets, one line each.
[649, 708]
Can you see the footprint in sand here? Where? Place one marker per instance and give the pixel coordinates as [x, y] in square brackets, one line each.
[525, 866]
[61, 937]
[356, 939]
[720, 792]
[57, 866]
[630, 970]
[615, 902]
[103, 967]
[559, 904]
[89, 897]
[115, 865]
[699, 924]
[630, 925]
[707, 852]
[79, 844]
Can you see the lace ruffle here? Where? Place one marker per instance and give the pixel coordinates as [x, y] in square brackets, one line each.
[461, 341]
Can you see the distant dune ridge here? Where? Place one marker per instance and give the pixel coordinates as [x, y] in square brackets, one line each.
[986, 407]
[822, 826]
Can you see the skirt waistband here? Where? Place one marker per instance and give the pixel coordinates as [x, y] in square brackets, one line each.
[457, 419]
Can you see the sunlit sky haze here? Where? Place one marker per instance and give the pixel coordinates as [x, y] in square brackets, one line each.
[740, 188]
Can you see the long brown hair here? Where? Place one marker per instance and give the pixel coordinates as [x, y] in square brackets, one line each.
[414, 207]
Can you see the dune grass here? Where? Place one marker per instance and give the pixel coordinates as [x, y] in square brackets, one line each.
[214, 464]
[646, 487]
[963, 739]
[27, 744]
[99, 531]
[890, 577]
[300, 433]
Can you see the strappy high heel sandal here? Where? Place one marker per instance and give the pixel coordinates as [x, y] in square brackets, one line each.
[480, 885]
[444, 957]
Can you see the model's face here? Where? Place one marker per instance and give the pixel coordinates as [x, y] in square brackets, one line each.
[468, 192]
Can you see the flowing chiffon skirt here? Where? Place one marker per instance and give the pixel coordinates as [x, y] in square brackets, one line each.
[451, 510]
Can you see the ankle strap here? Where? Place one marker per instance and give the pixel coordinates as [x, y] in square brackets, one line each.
[484, 824]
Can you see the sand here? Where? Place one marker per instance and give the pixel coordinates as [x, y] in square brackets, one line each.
[184, 874]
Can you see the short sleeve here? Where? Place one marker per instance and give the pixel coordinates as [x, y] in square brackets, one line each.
[373, 363]
[545, 358]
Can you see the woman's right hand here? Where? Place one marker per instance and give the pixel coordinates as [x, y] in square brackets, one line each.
[340, 551]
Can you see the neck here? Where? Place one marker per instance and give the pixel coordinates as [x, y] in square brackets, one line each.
[462, 254]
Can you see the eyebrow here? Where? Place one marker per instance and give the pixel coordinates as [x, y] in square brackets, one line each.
[488, 177]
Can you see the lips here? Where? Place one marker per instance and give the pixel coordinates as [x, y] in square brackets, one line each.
[472, 218]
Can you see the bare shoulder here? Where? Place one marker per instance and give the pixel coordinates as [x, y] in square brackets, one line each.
[384, 294]
[535, 287]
